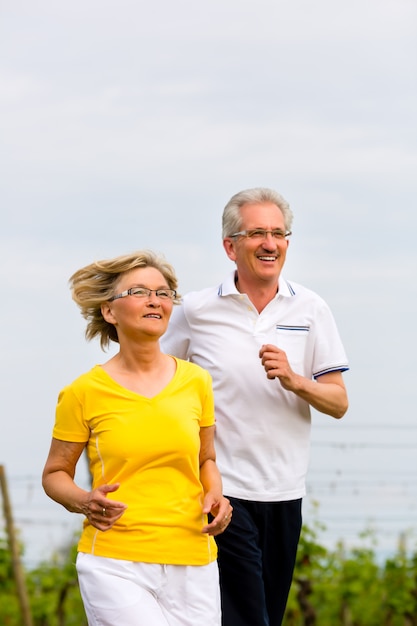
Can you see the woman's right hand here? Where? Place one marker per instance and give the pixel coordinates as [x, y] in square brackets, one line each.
[101, 512]
[58, 482]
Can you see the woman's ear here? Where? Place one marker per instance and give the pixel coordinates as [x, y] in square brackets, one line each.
[107, 313]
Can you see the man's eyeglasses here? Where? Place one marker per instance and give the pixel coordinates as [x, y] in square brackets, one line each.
[262, 233]
[143, 292]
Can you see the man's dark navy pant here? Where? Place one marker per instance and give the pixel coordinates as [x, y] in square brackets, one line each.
[256, 561]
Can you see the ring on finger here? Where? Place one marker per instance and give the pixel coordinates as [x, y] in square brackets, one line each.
[104, 512]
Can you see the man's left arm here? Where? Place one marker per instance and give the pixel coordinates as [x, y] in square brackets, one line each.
[327, 394]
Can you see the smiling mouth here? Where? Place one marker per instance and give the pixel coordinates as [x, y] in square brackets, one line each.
[153, 316]
[267, 258]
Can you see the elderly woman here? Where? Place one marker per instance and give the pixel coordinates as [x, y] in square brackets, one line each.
[146, 556]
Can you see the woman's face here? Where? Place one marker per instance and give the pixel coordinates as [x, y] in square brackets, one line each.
[140, 316]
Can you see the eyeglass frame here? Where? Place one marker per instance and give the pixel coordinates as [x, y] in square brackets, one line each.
[147, 293]
[263, 233]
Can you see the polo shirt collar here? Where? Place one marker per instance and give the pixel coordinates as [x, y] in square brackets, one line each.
[228, 286]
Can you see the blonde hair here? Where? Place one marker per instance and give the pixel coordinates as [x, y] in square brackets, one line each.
[95, 284]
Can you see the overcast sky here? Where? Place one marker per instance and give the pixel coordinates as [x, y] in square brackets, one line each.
[128, 125]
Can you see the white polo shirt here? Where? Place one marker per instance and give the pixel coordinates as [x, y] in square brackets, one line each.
[262, 430]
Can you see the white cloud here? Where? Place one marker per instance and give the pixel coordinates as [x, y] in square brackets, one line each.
[127, 125]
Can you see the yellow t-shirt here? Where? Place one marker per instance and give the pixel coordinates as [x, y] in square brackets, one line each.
[151, 447]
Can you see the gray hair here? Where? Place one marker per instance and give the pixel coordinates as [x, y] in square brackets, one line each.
[232, 220]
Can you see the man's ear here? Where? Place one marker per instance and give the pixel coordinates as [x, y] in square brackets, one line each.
[229, 246]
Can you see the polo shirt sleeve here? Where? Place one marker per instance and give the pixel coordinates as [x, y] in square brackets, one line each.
[329, 353]
[176, 340]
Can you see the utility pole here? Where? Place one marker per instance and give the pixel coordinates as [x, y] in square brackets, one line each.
[14, 549]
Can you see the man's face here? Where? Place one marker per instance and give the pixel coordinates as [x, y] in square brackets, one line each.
[259, 260]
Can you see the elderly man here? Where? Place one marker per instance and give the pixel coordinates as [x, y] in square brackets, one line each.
[273, 350]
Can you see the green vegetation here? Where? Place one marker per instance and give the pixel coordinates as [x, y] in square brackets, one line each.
[331, 588]
[349, 588]
[52, 588]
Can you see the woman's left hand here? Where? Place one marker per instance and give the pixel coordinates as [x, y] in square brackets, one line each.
[221, 511]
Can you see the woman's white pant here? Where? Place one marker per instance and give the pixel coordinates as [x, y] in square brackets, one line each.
[124, 593]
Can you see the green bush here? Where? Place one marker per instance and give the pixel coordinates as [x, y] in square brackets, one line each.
[337, 587]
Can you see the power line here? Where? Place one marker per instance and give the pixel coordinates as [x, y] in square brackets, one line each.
[364, 426]
[364, 445]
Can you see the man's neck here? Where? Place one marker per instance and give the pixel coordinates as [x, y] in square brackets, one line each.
[260, 294]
